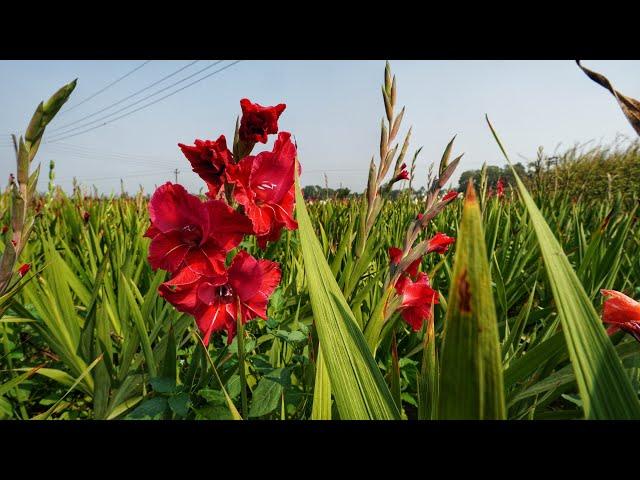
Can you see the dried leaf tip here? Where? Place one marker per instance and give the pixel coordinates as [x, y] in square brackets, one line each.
[470, 195]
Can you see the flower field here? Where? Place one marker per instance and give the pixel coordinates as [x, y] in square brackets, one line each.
[250, 302]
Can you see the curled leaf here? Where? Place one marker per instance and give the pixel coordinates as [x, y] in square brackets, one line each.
[630, 106]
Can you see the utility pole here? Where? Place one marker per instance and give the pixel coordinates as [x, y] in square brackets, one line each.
[176, 172]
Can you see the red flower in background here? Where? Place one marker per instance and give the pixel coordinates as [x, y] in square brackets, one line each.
[417, 299]
[417, 295]
[213, 300]
[86, 217]
[450, 196]
[440, 243]
[403, 175]
[500, 188]
[264, 185]
[4, 229]
[24, 269]
[209, 159]
[258, 122]
[621, 313]
[187, 232]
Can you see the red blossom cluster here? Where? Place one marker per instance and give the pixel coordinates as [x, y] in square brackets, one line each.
[414, 288]
[248, 195]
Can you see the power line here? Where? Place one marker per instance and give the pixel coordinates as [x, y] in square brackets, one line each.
[131, 160]
[90, 150]
[67, 149]
[92, 122]
[148, 104]
[126, 98]
[140, 174]
[105, 88]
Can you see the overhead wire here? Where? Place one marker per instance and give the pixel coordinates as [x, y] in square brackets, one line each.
[166, 77]
[126, 107]
[105, 88]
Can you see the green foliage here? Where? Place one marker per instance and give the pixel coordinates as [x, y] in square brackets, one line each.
[93, 293]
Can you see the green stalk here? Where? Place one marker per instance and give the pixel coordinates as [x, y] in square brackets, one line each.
[241, 366]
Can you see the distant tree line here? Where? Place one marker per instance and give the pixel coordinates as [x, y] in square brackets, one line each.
[316, 192]
[493, 174]
[598, 173]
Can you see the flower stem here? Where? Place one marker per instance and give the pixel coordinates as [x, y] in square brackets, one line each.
[241, 364]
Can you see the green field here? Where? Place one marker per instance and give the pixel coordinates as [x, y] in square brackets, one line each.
[515, 333]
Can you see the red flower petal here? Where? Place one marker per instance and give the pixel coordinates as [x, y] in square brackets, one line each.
[450, 196]
[264, 185]
[415, 316]
[209, 160]
[173, 208]
[245, 275]
[167, 251]
[211, 318]
[257, 121]
[228, 227]
[417, 299]
[24, 268]
[620, 309]
[439, 243]
[206, 260]
[272, 173]
[395, 255]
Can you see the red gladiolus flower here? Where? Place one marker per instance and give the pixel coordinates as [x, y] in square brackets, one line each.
[417, 299]
[621, 313]
[24, 269]
[499, 188]
[439, 243]
[264, 185]
[257, 121]
[403, 175]
[450, 196]
[395, 254]
[209, 159]
[188, 232]
[213, 300]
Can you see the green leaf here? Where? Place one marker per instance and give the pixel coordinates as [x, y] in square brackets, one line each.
[471, 384]
[8, 386]
[522, 367]
[321, 392]
[86, 372]
[267, 395]
[235, 415]
[179, 404]
[603, 384]
[356, 380]
[150, 409]
[163, 384]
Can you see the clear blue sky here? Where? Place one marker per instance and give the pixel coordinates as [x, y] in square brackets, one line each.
[333, 109]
